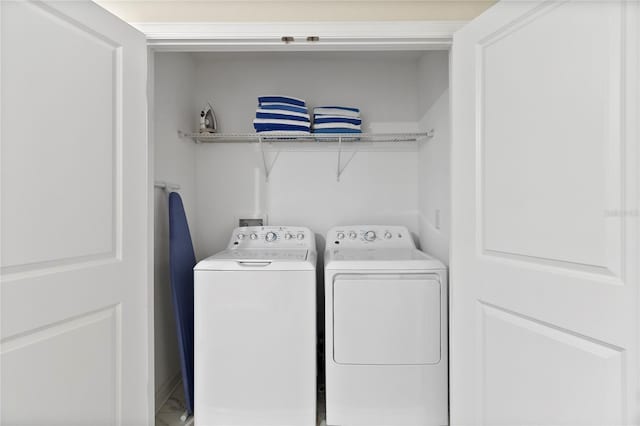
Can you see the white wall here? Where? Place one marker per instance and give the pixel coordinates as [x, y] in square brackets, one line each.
[174, 160]
[383, 83]
[434, 156]
[376, 187]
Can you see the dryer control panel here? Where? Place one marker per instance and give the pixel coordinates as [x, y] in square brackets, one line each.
[271, 237]
[380, 236]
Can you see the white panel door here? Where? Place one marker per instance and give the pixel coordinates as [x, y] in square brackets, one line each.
[544, 268]
[74, 336]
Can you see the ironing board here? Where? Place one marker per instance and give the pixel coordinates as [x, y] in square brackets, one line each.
[182, 259]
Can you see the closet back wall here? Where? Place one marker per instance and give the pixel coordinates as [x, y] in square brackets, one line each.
[221, 182]
[376, 187]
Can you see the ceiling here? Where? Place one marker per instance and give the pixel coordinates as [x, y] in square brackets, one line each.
[294, 10]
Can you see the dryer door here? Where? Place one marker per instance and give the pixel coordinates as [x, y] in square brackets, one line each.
[386, 319]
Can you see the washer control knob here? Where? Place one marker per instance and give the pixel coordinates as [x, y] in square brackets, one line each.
[369, 235]
[387, 235]
[241, 236]
[271, 236]
[288, 236]
[340, 235]
[300, 236]
[352, 235]
[254, 236]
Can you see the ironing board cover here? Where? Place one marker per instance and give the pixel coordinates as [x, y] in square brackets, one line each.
[182, 259]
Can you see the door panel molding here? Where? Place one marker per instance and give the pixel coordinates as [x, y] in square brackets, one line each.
[539, 343]
[73, 23]
[555, 332]
[29, 337]
[610, 257]
[571, 269]
[105, 327]
[97, 239]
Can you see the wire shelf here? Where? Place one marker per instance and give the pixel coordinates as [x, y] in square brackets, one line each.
[339, 141]
[312, 138]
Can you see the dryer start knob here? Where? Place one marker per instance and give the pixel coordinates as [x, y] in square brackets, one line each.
[369, 235]
[271, 236]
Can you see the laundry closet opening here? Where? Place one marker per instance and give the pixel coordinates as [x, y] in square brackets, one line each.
[386, 183]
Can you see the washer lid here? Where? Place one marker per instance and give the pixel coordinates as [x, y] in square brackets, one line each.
[380, 259]
[259, 259]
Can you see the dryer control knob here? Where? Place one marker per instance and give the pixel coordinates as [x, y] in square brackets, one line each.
[340, 235]
[352, 235]
[271, 236]
[288, 236]
[387, 235]
[369, 235]
[240, 236]
[300, 236]
[254, 236]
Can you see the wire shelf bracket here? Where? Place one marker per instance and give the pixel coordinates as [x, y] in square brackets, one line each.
[268, 167]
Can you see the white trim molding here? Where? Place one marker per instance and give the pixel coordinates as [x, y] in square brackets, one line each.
[261, 36]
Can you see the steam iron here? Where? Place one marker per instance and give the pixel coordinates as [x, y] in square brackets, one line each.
[208, 123]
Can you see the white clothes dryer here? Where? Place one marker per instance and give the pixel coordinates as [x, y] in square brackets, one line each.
[255, 330]
[385, 330]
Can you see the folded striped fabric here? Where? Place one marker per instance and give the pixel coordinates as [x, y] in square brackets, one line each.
[320, 119]
[285, 132]
[336, 126]
[270, 116]
[278, 114]
[281, 100]
[278, 125]
[283, 112]
[285, 107]
[286, 121]
[337, 110]
[274, 127]
[337, 130]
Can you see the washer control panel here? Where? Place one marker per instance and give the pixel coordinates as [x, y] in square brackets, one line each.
[371, 236]
[271, 237]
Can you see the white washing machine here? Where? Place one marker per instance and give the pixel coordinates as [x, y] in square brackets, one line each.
[255, 330]
[386, 330]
